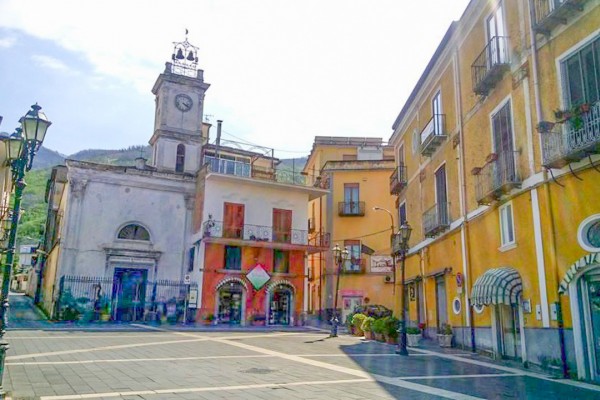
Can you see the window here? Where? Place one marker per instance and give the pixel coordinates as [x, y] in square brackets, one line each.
[441, 196]
[401, 155]
[436, 111]
[495, 28]
[351, 196]
[353, 263]
[191, 257]
[281, 261]
[507, 229]
[401, 214]
[134, 232]
[233, 258]
[505, 168]
[581, 73]
[180, 159]
[282, 225]
[233, 220]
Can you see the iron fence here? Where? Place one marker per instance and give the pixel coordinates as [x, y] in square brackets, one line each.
[92, 298]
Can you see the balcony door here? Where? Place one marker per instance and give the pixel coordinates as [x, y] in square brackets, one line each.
[351, 196]
[354, 263]
[441, 196]
[437, 111]
[233, 220]
[495, 34]
[282, 225]
[505, 168]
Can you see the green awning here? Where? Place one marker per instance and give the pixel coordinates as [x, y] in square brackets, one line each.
[497, 286]
[589, 260]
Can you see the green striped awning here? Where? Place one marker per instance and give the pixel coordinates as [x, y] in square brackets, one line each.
[497, 286]
[584, 262]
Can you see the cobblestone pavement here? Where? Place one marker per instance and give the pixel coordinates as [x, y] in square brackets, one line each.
[156, 363]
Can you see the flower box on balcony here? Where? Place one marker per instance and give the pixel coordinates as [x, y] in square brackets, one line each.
[491, 157]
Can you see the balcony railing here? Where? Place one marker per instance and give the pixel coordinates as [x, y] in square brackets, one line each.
[434, 134]
[261, 233]
[574, 141]
[246, 170]
[355, 266]
[490, 65]
[351, 208]
[497, 177]
[398, 180]
[551, 13]
[436, 219]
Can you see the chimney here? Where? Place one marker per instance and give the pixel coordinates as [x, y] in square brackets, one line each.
[140, 163]
[218, 141]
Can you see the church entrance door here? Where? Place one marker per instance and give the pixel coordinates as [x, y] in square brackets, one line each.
[129, 293]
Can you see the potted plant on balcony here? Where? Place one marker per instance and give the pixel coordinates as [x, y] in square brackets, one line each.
[367, 327]
[357, 321]
[445, 335]
[413, 336]
[390, 331]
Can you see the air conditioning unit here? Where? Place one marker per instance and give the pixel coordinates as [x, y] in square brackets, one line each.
[388, 279]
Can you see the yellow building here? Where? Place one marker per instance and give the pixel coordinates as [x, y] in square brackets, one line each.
[501, 184]
[354, 169]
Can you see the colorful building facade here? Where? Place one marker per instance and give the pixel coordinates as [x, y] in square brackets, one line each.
[354, 170]
[498, 143]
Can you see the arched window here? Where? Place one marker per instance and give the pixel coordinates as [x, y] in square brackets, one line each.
[134, 232]
[180, 160]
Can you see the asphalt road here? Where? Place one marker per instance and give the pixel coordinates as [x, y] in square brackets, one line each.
[156, 363]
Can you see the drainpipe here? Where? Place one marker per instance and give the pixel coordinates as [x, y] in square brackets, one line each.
[540, 117]
[218, 140]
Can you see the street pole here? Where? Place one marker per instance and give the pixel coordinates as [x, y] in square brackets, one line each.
[402, 329]
[335, 320]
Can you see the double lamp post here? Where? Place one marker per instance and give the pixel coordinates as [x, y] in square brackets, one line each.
[20, 148]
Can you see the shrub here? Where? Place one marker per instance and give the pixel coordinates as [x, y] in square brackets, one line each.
[358, 319]
[391, 325]
[348, 321]
[411, 330]
[446, 329]
[378, 326]
[367, 325]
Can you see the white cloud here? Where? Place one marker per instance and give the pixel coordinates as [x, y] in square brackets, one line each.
[7, 42]
[281, 72]
[50, 62]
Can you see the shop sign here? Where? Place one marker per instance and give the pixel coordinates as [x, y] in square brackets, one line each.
[382, 264]
[193, 298]
[258, 277]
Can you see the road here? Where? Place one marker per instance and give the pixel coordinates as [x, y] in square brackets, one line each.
[156, 363]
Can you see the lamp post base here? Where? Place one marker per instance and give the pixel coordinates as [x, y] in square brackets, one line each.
[402, 350]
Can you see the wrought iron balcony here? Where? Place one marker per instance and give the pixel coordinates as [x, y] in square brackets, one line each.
[489, 67]
[497, 177]
[578, 138]
[261, 233]
[434, 134]
[355, 266]
[398, 180]
[551, 13]
[351, 208]
[436, 219]
[247, 170]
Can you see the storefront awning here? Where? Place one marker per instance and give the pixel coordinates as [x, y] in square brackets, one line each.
[497, 286]
[582, 263]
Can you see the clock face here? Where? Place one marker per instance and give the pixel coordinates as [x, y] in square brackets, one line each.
[183, 102]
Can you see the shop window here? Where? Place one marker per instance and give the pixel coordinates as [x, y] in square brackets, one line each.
[233, 258]
[281, 261]
[507, 229]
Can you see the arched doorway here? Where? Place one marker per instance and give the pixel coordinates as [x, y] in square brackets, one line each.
[280, 307]
[230, 304]
[582, 284]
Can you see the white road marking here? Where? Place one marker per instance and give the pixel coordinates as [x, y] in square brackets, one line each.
[418, 377]
[121, 336]
[124, 360]
[511, 370]
[201, 389]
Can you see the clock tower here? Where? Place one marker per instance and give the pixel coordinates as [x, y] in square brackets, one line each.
[178, 128]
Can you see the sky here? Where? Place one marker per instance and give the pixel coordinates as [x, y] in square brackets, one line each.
[281, 72]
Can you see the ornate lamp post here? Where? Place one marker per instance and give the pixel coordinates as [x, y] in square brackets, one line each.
[339, 257]
[21, 148]
[403, 237]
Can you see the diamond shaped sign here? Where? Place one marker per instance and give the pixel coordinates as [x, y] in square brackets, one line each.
[258, 277]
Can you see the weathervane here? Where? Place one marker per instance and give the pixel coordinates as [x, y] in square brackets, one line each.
[185, 57]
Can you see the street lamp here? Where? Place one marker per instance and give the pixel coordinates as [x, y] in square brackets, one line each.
[339, 257]
[21, 148]
[403, 237]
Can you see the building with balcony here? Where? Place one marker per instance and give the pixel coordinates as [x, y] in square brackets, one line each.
[251, 236]
[353, 170]
[505, 244]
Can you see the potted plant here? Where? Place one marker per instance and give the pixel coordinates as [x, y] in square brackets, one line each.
[413, 336]
[377, 328]
[348, 323]
[391, 329]
[357, 321]
[208, 318]
[445, 335]
[367, 327]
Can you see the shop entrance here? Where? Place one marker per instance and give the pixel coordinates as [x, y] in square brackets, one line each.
[348, 305]
[591, 311]
[230, 304]
[280, 306]
[509, 331]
